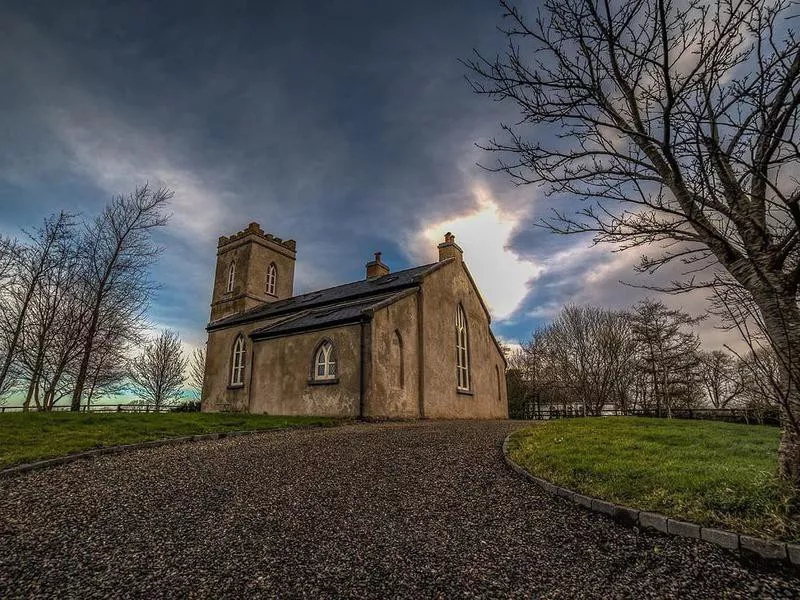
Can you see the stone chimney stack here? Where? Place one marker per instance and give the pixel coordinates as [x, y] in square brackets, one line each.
[449, 248]
[375, 268]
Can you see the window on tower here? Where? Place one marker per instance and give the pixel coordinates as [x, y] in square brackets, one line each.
[272, 279]
[231, 277]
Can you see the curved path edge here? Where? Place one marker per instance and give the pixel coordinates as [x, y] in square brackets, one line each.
[768, 549]
[200, 437]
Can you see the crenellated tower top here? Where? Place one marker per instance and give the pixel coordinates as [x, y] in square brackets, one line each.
[253, 267]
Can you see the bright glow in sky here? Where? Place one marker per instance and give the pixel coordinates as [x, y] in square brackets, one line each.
[484, 235]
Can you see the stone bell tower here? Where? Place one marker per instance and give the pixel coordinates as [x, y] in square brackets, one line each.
[253, 267]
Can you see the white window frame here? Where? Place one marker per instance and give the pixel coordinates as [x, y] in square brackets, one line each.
[272, 279]
[462, 351]
[238, 362]
[325, 362]
[231, 277]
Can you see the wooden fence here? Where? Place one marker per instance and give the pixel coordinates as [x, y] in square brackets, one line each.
[532, 411]
[117, 408]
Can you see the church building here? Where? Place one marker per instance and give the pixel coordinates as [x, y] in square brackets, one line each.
[411, 344]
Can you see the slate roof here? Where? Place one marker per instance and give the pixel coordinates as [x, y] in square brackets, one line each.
[324, 316]
[340, 303]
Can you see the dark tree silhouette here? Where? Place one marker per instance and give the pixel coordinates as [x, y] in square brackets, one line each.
[157, 373]
[197, 372]
[118, 251]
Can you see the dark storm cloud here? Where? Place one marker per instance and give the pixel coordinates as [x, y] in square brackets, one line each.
[345, 125]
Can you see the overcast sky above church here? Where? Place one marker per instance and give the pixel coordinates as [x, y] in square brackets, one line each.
[347, 126]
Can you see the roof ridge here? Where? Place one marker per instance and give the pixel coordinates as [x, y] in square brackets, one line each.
[360, 281]
[352, 301]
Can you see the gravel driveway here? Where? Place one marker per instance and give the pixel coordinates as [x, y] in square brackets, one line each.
[422, 510]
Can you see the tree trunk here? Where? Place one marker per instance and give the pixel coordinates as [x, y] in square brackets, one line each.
[80, 380]
[782, 322]
[29, 396]
[12, 346]
[789, 458]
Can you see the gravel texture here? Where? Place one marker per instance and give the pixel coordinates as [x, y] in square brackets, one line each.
[416, 510]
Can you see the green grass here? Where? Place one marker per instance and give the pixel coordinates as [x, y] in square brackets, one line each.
[27, 437]
[714, 474]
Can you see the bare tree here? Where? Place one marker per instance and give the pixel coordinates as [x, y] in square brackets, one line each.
[30, 265]
[667, 353]
[589, 350]
[759, 372]
[158, 372]
[197, 370]
[118, 250]
[720, 375]
[52, 327]
[678, 124]
[8, 253]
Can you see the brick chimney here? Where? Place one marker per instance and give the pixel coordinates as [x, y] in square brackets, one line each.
[449, 248]
[375, 268]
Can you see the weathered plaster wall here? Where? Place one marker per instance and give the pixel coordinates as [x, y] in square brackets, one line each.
[218, 395]
[395, 362]
[442, 290]
[282, 374]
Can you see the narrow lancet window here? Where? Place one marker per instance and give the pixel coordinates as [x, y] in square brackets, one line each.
[231, 276]
[237, 362]
[272, 279]
[462, 350]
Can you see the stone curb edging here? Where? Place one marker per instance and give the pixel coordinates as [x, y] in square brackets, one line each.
[764, 548]
[201, 437]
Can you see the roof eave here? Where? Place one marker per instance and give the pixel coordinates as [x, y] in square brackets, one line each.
[267, 335]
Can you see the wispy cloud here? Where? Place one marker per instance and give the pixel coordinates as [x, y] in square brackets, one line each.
[117, 157]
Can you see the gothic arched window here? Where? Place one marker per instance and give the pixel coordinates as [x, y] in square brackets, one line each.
[237, 361]
[462, 350]
[272, 279]
[325, 362]
[231, 277]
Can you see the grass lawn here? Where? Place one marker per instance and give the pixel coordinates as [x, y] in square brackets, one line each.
[26, 437]
[714, 474]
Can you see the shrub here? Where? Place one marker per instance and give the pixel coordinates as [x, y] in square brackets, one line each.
[187, 406]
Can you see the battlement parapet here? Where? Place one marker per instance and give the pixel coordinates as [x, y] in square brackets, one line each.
[255, 229]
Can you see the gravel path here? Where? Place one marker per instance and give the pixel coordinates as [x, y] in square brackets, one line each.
[424, 510]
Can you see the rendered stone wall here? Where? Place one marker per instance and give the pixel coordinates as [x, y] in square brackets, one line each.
[218, 394]
[442, 290]
[395, 361]
[282, 369]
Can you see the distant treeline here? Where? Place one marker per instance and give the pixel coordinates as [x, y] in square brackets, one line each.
[647, 358]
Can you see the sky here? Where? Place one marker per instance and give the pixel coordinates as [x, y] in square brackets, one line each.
[347, 126]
